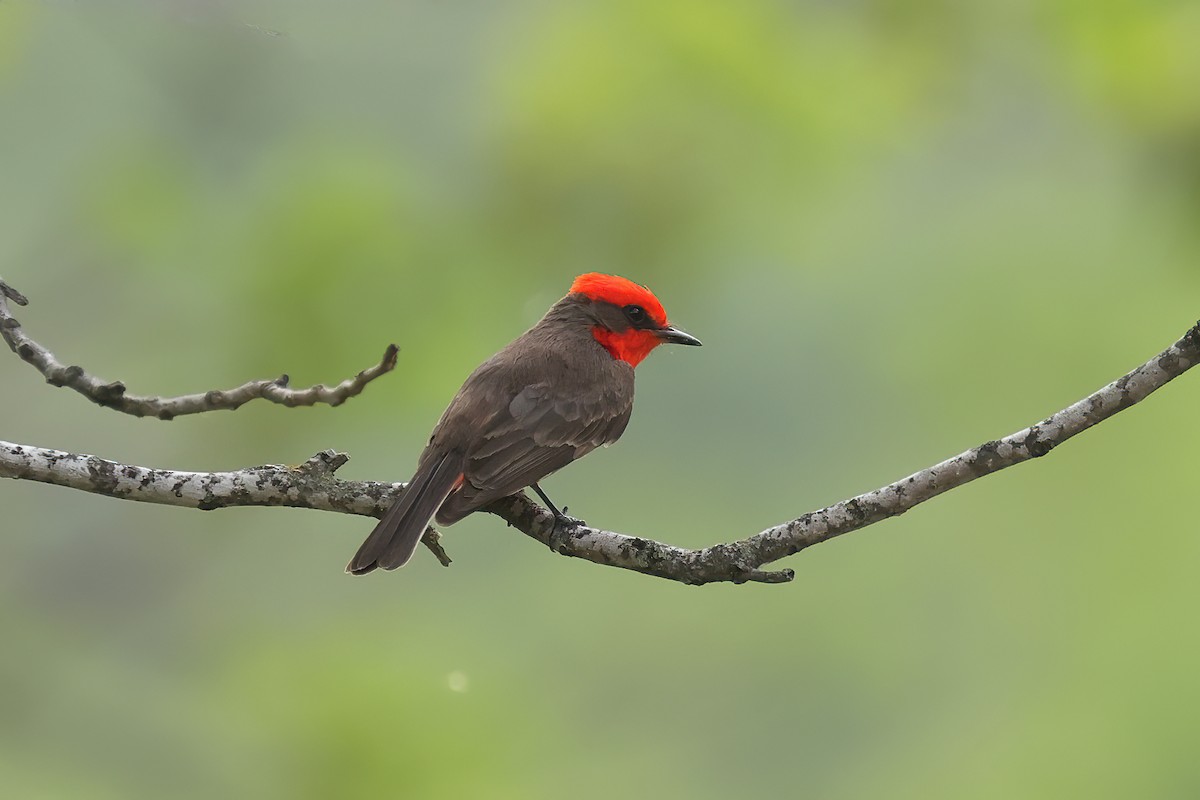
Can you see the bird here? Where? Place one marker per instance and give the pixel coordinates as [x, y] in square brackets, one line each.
[552, 395]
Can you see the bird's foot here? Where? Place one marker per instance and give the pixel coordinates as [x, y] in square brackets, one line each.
[561, 519]
[564, 526]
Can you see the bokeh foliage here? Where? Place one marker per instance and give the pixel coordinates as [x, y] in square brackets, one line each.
[902, 227]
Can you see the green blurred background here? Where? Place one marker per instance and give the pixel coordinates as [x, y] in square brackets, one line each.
[900, 227]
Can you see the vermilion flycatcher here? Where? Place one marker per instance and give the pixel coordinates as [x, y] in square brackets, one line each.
[556, 393]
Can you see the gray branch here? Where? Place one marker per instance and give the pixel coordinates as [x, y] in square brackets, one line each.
[112, 394]
[309, 485]
[313, 485]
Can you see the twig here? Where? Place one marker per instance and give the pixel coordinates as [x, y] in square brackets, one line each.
[313, 485]
[114, 395]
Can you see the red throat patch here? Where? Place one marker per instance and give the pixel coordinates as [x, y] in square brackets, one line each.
[630, 346]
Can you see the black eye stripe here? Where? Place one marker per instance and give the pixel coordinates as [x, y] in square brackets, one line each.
[635, 314]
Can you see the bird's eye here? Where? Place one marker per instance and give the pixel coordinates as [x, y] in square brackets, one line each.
[636, 314]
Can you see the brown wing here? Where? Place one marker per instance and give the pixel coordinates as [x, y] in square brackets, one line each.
[536, 435]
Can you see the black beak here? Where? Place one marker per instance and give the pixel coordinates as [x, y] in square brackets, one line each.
[676, 336]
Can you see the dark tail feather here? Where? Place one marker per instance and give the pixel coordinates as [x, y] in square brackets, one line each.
[395, 538]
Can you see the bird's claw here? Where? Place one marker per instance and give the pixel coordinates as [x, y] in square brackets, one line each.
[566, 522]
[563, 527]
